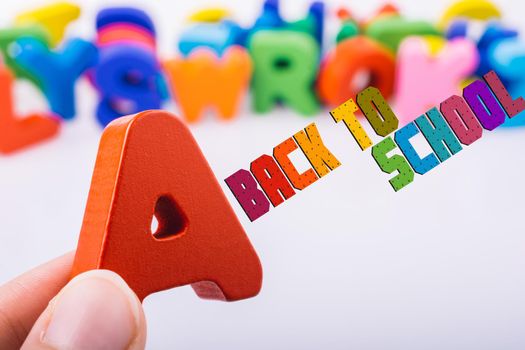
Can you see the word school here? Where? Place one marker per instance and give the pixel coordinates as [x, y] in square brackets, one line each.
[460, 120]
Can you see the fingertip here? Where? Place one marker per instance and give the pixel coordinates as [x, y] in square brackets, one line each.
[95, 310]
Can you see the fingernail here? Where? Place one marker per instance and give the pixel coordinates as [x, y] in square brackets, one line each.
[96, 310]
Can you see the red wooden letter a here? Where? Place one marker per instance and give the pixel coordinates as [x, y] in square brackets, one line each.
[149, 166]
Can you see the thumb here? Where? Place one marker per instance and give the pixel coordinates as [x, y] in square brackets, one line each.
[95, 310]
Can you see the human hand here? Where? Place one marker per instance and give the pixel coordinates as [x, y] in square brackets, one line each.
[96, 310]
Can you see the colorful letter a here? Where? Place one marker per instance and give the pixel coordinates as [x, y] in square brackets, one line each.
[148, 166]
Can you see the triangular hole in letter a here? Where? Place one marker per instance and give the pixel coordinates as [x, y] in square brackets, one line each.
[168, 219]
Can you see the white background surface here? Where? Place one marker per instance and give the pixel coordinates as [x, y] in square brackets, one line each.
[348, 263]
